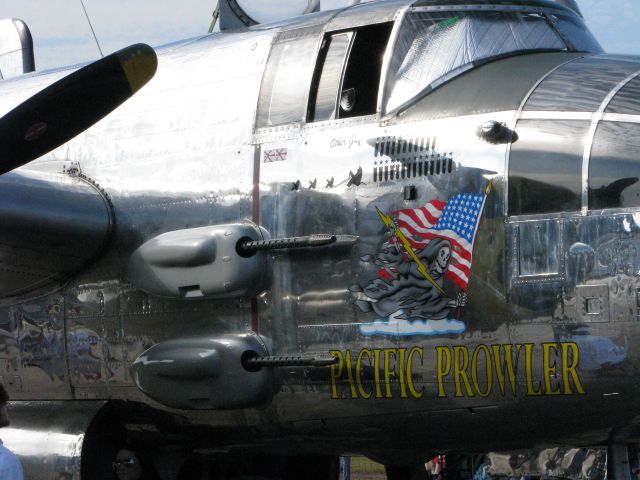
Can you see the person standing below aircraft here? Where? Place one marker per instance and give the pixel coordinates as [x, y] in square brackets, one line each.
[128, 465]
[10, 466]
[436, 467]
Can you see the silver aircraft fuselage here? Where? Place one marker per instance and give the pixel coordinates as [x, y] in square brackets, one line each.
[541, 350]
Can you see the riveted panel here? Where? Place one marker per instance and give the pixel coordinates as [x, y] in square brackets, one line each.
[592, 303]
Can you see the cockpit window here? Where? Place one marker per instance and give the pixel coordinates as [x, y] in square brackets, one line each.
[432, 47]
[581, 39]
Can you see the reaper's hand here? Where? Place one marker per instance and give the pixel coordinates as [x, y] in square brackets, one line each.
[461, 301]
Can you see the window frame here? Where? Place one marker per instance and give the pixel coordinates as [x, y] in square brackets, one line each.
[598, 157]
[546, 12]
[543, 125]
[319, 70]
[324, 32]
[295, 35]
[354, 32]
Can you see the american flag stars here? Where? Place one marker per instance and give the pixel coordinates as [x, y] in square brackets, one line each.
[461, 215]
[455, 220]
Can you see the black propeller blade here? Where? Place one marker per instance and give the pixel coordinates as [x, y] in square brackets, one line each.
[69, 106]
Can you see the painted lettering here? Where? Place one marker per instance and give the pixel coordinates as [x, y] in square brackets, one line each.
[487, 370]
[389, 372]
[505, 365]
[460, 366]
[517, 369]
[336, 371]
[376, 372]
[402, 373]
[361, 391]
[347, 361]
[393, 371]
[528, 367]
[350, 142]
[443, 356]
[338, 142]
[570, 352]
[420, 352]
[549, 368]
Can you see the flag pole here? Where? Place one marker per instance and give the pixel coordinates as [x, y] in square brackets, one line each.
[487, 192]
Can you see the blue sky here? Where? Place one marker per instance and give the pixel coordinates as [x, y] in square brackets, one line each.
[62, 35]
[616, 23]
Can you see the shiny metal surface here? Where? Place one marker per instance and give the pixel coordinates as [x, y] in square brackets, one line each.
[204, 373]
[597, 118]
[368, 14]
[16, 48]
[48, 437]
[75, 221]
[532, 341]
[604, 75]
[494, 87]
[197, 262]
[626, 100]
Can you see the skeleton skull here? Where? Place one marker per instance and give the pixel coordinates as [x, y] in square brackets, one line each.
[442, 260]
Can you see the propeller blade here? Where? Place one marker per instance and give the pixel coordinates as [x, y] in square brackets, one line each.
[69, 106]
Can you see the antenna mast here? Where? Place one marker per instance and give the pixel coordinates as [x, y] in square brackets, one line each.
[215, 15]
[91, 26]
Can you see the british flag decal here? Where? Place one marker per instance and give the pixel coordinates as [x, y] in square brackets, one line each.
[275, 155]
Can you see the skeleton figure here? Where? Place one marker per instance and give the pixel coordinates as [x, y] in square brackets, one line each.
[401, 286]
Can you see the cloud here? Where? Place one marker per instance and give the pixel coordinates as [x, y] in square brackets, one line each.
[399, 327]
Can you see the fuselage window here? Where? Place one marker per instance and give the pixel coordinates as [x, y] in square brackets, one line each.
[538, 248]
[433, 47]
[545, 166]
[286, 79]
[614, 167]
[347, 77]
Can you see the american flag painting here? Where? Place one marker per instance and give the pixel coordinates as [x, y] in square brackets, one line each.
[455, 220]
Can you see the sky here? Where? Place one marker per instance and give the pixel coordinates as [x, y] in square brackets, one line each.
[62, 35]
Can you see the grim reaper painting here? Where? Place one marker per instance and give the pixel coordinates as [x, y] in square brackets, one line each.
[425, 254]
[401, 286]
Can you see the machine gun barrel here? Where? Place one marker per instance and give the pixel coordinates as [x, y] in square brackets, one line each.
[256, 362]
[316, 240]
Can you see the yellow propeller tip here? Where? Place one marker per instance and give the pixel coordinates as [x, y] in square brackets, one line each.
[139, 63]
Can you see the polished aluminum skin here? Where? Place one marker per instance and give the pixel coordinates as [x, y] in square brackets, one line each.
[16, 48]
[518, 329]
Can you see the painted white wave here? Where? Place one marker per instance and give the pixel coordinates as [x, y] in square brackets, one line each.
[401, 327]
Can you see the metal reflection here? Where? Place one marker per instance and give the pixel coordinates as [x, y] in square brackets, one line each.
[263, 12]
